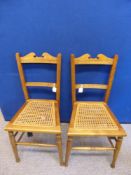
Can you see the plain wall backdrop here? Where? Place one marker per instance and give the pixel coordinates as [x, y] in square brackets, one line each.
[70, 26]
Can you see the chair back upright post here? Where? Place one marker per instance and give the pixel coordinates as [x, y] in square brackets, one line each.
[111, 78]
[46, 58]
[86, 59]
[22, 77]
[73, 78]
[58, 78]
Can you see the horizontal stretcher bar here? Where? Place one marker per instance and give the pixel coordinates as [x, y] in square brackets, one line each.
[94, 148]
[40, 84]
[91, 86]
[35, 144]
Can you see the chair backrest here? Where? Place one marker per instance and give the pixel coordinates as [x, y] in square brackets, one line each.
[86, 59]
[46, 58]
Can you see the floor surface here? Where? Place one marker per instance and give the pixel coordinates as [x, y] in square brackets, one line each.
[44, 161]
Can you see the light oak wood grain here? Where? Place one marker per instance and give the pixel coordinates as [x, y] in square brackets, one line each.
[91, 118]
[45, 112]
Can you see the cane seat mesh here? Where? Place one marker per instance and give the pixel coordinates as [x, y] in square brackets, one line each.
[93, 116]
[37, 113]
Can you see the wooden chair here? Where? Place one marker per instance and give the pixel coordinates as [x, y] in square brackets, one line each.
[37, 115]
[90, 118]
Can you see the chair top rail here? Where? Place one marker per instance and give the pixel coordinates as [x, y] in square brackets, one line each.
[44, 58]
[101, 59]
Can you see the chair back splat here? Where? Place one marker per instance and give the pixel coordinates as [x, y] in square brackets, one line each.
[86, 59]
[44, 59]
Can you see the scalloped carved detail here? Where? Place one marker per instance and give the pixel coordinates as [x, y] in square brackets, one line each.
[29, 56]
[44, 58]
[47, 56]
[100, 59]
[83, 57]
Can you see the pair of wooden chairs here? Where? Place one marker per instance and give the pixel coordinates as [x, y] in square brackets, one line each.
[88, 118]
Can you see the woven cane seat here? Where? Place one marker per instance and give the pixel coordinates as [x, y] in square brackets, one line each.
[93, 116]
[37, 113]
[37, 116]
[93, 119]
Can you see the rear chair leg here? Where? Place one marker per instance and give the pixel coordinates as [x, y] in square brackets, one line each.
[14, 146]
[68, 150]
[116, 151]
[59, 145]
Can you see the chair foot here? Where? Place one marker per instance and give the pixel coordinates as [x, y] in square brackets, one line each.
[116, 151]
[68, 150]
[61, 163]
[18, 160]
[66, 164]
[112, 165]
[14, 146]
[59, 145]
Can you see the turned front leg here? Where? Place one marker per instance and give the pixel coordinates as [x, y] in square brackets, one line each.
[116, 151]
[59, 145]
[14, 146]
[68, 150]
